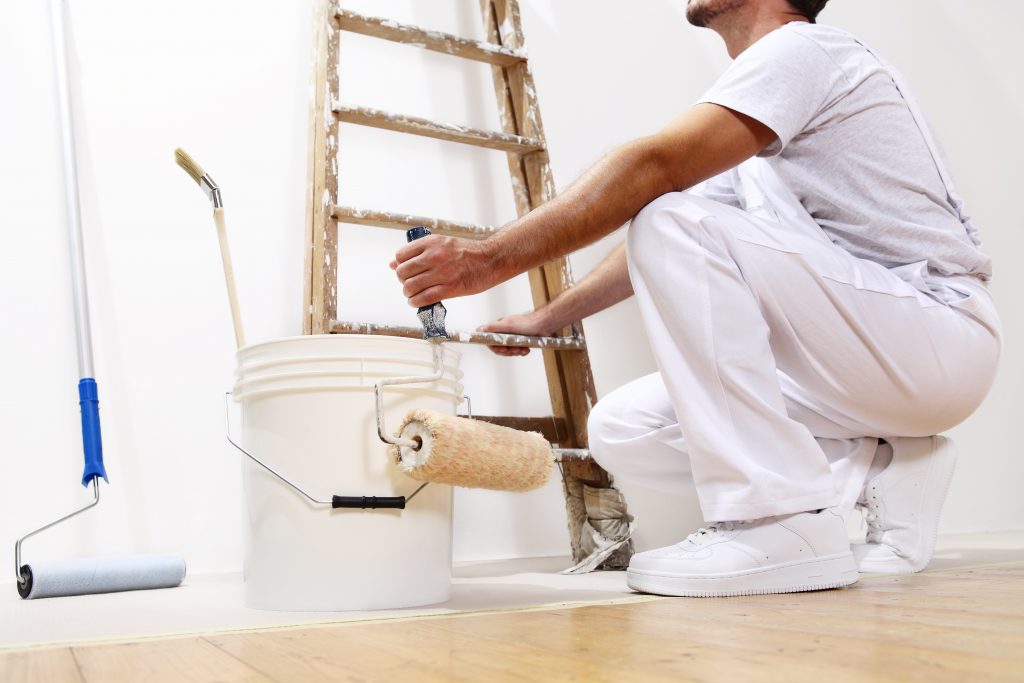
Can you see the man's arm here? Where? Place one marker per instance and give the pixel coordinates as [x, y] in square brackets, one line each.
[701, 143]
[605, 286]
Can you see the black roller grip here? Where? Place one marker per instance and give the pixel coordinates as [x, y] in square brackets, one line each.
[371, 502]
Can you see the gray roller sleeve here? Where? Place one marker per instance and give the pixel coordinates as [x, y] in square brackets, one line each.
[55, 578]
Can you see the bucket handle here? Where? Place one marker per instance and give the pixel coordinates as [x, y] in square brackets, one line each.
[336, 502]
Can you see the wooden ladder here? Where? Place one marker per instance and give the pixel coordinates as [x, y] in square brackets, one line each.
[566, 363]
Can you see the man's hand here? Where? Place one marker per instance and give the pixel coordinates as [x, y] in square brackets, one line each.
[531, 324]
[605, 286]
[435, 267]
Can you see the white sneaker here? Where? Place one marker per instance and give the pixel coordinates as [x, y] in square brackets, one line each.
[902, 506]
[801, 552]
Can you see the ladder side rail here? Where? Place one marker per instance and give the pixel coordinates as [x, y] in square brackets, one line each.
[570, 379]
[320, 289]
[523, 200]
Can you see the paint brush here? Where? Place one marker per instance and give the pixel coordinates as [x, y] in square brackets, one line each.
[432, 316]
[212, 191]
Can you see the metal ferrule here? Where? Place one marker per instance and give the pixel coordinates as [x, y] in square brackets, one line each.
[212, 190]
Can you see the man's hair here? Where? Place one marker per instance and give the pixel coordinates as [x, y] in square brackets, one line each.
[808, 8]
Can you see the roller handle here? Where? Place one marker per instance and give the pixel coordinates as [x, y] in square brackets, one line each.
[88, 399]
[372, 502]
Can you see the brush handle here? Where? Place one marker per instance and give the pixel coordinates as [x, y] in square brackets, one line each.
[431, 316]
[414, 234]
[229, 275]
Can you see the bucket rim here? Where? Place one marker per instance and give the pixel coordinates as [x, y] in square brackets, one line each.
[257, 367]
[241, 394]
[241, 383]
[301, 337]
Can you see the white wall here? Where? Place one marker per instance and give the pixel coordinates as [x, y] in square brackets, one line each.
[228, 81]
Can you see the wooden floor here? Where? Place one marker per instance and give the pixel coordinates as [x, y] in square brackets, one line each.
[948, 625]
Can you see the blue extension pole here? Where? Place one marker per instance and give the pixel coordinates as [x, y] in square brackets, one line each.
[88, 395]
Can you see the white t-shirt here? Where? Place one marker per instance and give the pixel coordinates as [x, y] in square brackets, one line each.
[848, 147]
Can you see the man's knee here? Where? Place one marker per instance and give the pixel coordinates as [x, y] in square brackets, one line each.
[614, 427]
[598, 434]
[654, 217]
[609, 431]
[628, 437]
[669, 218]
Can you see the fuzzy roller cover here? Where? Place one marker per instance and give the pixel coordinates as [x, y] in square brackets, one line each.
[471, 453]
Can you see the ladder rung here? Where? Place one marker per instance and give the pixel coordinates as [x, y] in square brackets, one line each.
[487, 338]
[431, 40]
[401, 123]
[572, 454]
[401, 221]
[551, 428]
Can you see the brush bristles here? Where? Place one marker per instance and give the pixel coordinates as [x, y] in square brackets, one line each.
[189, 164]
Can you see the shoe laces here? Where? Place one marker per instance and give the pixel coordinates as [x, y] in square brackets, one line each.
[714, 528]
[868, 503]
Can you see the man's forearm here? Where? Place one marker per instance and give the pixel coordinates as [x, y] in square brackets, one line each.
[600, 201]
[704, 142]
[699, 144]
[605, 286]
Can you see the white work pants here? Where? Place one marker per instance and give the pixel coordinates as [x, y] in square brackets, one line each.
[783, 358]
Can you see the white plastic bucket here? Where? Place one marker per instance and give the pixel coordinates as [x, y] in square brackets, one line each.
[308, 412]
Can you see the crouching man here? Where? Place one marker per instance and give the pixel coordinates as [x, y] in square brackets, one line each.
[816, 303]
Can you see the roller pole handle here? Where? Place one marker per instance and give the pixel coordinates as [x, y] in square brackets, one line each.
[89, 401]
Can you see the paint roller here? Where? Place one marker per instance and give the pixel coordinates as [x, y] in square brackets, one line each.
[434, 447]
[472, 453]
[85, 575]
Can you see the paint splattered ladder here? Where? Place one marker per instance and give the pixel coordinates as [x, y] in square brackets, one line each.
[567, 365]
